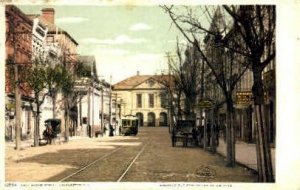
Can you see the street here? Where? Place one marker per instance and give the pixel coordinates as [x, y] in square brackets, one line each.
[147, 157]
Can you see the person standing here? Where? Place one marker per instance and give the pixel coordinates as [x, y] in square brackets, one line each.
[111, 131]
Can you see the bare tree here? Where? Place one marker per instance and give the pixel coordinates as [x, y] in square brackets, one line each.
[185, 71]
[256, 26]
[253, 29]
[218, 58]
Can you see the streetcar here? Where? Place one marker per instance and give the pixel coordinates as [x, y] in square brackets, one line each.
[130, 125]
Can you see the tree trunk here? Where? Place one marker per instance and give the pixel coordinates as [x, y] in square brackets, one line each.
[54, 105]
[230, 136]
[67, 123]
[18, 118]
[213, 134]
[264, 161]
[205, 133]
[37, 122]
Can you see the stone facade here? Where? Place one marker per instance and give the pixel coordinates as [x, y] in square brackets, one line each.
[143, 96]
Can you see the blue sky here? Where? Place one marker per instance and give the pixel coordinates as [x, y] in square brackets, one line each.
[124, 39]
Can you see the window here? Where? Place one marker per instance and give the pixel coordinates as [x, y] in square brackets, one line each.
[163, 100]
[151, 100]
[50, 39]
[139, 100]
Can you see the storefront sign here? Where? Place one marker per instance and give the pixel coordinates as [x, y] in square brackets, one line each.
[244, 97]
[205, 103]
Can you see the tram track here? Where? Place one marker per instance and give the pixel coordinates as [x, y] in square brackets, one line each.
[128, 161]
[90, 164]
[132, 162]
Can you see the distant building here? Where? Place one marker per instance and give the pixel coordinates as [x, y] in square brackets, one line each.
[143, 96]
[93, 99]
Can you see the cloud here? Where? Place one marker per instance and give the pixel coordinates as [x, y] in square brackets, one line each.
[140, 26]
[121, 39]
[110, 52]
[122, 64]
[146, 57]
[70, 20]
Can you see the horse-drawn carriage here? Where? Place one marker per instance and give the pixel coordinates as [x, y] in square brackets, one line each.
[183, 131]
[52, 130]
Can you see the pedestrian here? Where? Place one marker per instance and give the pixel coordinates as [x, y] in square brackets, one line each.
[117, 128]
[201, 134]
[106, 126]
[208, 133]
[111, 131]
[174, 132]
[195, 136]
[89, 130]
[217, 130]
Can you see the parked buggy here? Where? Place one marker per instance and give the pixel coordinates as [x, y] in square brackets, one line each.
[184, 132]
[52, 130]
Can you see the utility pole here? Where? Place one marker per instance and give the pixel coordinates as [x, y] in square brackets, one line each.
[102, 117]
[17, 95]
[92, 126]
[116, 110]
[110, 101]
[89, 110]
[170, 98]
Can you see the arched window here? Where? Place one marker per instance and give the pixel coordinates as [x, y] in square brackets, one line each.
[151, 119]
[163, 122]
[140, 117]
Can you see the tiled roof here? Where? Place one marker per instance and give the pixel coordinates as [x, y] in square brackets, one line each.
[15, 10]
[133, 81]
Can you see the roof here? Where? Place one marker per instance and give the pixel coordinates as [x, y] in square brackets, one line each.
[133, 81]
[16, 10]
[52, 28]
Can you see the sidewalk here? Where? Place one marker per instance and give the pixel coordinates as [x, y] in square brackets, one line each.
[29, 142]
[245, 154]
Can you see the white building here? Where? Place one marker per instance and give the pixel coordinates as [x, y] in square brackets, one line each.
[143, 96]
[93, 105]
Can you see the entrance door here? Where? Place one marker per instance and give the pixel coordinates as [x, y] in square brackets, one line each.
[151, 119]
[140, 117]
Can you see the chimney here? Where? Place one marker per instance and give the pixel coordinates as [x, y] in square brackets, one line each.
[48, 14]
[138, 73]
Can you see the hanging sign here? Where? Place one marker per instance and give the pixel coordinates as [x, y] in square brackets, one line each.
[205, 103]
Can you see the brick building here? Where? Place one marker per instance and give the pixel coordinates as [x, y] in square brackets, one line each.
[18, 45]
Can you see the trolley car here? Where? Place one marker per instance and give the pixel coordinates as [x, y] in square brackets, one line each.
[130, 125]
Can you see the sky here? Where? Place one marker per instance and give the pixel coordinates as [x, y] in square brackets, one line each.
[123, 39]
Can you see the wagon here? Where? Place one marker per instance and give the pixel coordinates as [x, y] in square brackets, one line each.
[182, 132]
[52, 131]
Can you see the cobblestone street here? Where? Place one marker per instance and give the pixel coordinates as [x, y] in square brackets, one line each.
[147, 157]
